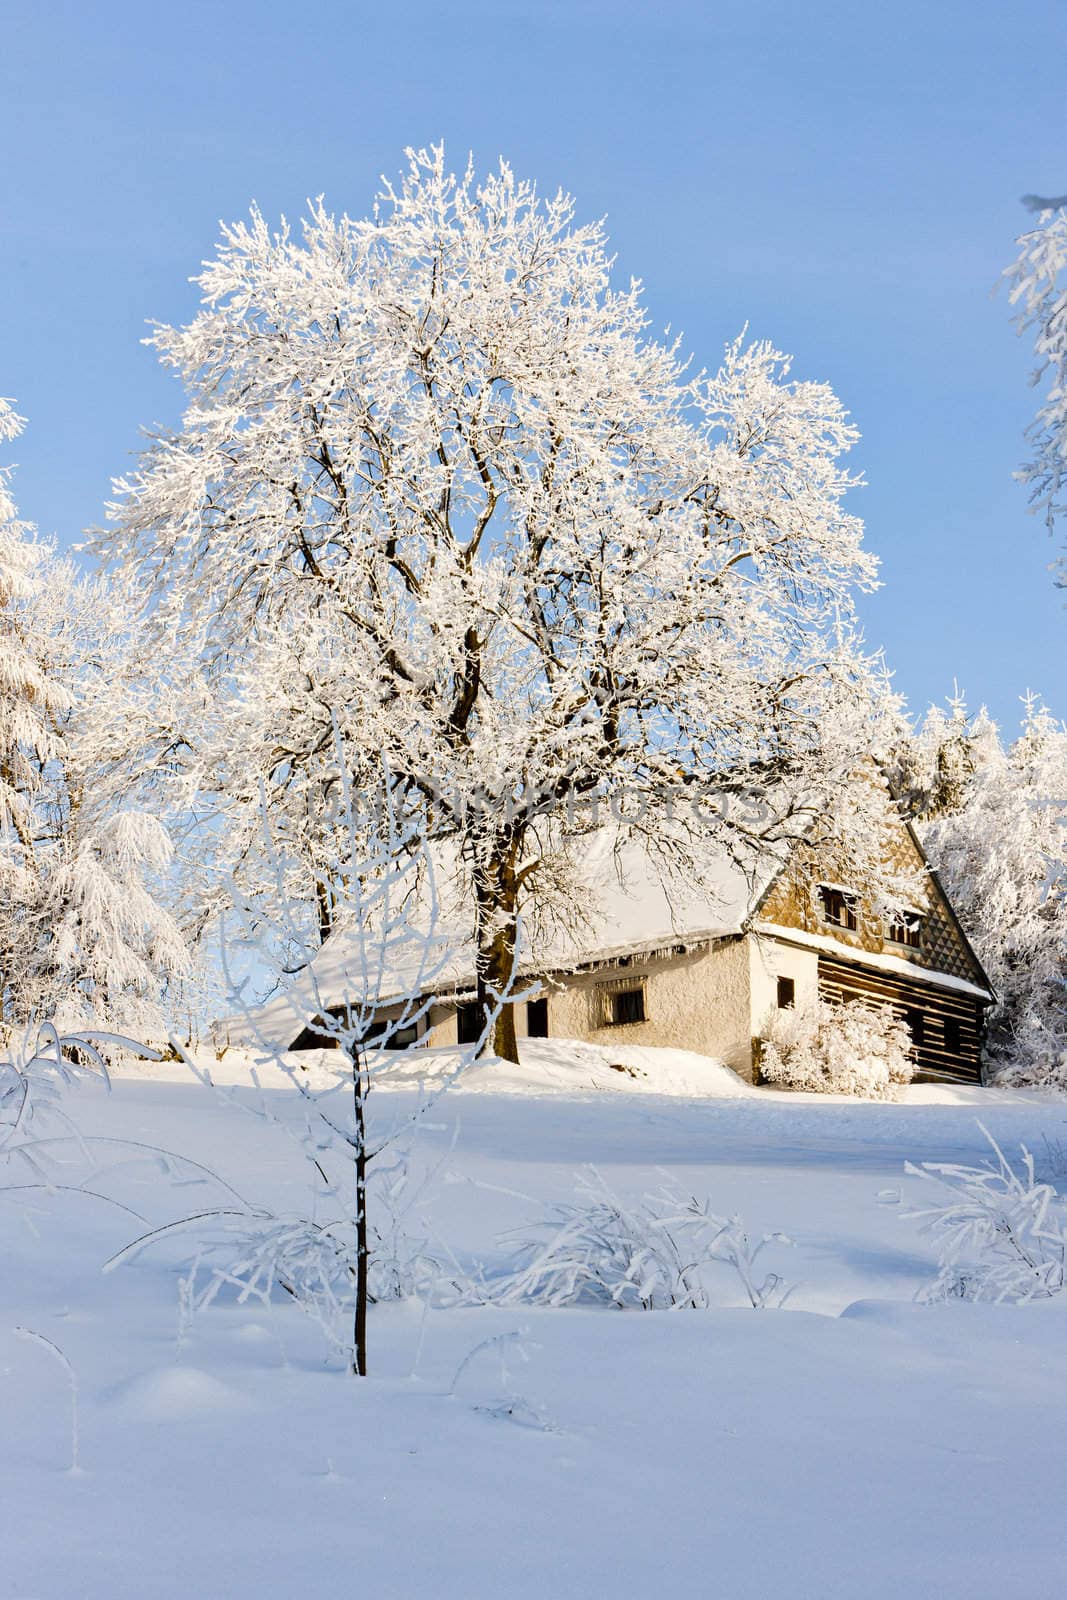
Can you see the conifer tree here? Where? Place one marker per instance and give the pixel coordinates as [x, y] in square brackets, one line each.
[993, 818]
[83, 933]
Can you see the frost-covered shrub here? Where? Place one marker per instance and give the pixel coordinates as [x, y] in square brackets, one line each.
[1001, 1235]
[837, 1049]
[1041, 1062]
[257, 1254]
[648, 1255]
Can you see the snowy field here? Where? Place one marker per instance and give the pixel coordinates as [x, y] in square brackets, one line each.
[851, 1444]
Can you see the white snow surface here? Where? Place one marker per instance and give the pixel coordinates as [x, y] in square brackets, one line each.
[851, 1443]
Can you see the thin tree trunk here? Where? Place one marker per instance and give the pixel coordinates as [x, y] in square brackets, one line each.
[359, 1322]
[324, 904]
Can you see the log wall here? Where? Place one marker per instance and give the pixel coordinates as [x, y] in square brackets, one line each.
[935, 1060]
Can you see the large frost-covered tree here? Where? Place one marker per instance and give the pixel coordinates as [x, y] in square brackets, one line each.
[993, 818]
[82, 933]
[1038, 278]
[439, 489]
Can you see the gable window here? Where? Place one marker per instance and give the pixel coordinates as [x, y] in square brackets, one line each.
[787, 994]
[837, 906]
[907, 929]
[626, 1006]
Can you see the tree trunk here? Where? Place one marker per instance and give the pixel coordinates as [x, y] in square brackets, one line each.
[496, 897]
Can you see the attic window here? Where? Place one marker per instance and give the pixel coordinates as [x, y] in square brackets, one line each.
[837, 906]
[907, 929]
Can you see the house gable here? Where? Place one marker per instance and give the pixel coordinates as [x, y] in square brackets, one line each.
[792, 902]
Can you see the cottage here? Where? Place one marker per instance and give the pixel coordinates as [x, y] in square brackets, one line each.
[699, 965]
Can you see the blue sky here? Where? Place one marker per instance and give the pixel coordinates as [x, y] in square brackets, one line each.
[844, 177]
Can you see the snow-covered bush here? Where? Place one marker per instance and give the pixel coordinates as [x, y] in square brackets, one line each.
[649, 1254]
[852, 1048]
[1001, 1234]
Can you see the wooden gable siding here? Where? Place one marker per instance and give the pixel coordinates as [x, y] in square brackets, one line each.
[792, 902]
[841, 980]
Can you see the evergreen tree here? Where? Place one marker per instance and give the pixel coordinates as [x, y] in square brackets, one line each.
[993, 818]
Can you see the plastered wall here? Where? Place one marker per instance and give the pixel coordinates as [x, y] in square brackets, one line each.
[700, 1001]
[769, 961]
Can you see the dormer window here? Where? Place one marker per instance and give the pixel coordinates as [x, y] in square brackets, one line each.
[907, 929]
[838, 906]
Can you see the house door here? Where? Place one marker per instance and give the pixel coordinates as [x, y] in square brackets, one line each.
[469, 1023]
[537, 1018]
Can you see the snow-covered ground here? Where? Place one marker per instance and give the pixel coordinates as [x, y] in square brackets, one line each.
[852, 1444]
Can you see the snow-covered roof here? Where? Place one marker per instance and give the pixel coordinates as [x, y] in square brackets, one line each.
[633, 902]
[630, 901]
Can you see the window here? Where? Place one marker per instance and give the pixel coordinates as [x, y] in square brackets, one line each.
[907, 929]
[625, 1006]
[787, 994]
[838, 906]
[537, 1018]
[916, 1027]
[952, 1036]
[468, 1023]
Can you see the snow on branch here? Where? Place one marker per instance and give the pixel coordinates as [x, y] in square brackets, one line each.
[1038, 295]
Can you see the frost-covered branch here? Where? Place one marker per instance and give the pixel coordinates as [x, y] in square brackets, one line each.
[1038, 294]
